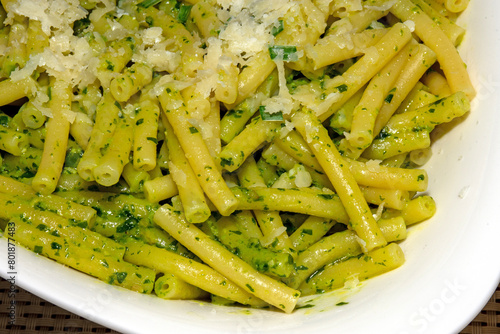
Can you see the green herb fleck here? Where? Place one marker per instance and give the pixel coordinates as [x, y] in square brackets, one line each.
[284, 52]
[55, 245]
[153, 139]
[342, 88]
[277, 28]
[184, 13]
[148, 3]
[277, 116]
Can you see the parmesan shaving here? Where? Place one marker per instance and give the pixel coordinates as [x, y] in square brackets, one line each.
[70, 115]
[178, 172]
[170, 79]
[283, 102]
[373, 165]
[39, 102]
[207, 75]
[362, 243]
[116, 31]
[352, 282]
[203, 127]
[380, 210]
[302, 178]
[159, 58]
[104, 7]
[152, 36]
[285, 130]
[410, 24]
[283, 182]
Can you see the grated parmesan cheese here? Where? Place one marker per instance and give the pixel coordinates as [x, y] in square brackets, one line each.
[410, 24]
[244, 36]
[104, 7]
[380, 209]
[116, 31]
[362, 243]
[152, 36]
[206, 129]
[352, 282]
[302, 177]
[285, 130]
[57, 14]
[178, 172]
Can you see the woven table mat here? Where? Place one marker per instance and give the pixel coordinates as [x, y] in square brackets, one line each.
[34, 314]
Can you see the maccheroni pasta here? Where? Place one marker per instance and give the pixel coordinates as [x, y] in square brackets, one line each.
[241, 152]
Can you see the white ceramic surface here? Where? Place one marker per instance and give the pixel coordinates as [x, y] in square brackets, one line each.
[452, 261]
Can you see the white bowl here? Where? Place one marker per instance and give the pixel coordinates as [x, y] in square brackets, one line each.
[452, 261]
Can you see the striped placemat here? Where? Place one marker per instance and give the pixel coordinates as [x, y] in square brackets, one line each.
[34, 314]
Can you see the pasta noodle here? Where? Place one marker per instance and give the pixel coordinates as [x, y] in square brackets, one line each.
[246, 153]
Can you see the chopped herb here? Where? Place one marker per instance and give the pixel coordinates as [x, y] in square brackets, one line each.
[148, 3]
[342, 88]
[184, 13]
[284, 52]
[80, 25]
[127, 225]
[118, 105]
[192, 129]
[304, 306]
[72, 158]
[383, 134]
[120, 277]
[55, 245]
[79, 223]
[42, 227]
[110, 66]
[226, 162]
[93, 187]
[388, 98]
[277, 28]
[277, 116]
[4, 120]
[153, 139]
[306, 231]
